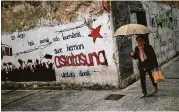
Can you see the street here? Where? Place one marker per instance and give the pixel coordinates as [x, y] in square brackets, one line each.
[166, 99]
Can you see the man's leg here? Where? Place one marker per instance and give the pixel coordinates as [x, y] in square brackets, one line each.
[143, 81]
[152, 79]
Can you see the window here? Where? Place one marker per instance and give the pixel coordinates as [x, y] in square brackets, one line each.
[6, 50]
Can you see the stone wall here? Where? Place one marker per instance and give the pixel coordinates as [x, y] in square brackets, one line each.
[163, 20]
[121, 13]
[25, 15]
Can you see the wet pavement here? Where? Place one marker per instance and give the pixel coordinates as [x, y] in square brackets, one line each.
[167, 98]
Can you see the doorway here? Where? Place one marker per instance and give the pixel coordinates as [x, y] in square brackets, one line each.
[141, 19]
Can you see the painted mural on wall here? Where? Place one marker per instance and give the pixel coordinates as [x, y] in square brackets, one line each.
[28, 71]
[75, 49]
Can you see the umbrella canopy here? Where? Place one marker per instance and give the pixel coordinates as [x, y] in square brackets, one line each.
[131, 29]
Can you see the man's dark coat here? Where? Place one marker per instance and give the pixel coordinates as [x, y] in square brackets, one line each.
[151, 60]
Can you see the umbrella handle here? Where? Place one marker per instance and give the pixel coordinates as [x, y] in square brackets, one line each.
[133, 36]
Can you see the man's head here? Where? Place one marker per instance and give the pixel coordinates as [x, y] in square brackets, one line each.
[140, 41]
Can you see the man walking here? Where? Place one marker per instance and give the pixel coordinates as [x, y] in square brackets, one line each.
[147, 61]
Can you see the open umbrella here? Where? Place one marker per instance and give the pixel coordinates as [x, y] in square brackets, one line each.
[132, 29]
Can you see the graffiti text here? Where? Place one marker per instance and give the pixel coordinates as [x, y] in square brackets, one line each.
[44, 41]
[81, 59]
[68, 74]
[73, 35]
[58, 51]
[86, 73]
[75, 47]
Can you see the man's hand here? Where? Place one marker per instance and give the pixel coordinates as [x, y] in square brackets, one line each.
[132, 53]
[155, 68]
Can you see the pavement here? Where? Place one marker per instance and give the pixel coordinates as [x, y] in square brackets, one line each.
[166, 99]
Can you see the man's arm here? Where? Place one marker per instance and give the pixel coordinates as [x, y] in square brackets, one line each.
[154, 57]
[135, 55]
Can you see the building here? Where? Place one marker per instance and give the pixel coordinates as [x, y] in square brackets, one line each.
[78, 38]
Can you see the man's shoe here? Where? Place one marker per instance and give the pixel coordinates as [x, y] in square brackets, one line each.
[145, 95]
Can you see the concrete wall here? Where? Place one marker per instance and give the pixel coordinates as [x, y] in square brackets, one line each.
[82, 51]
[163, 20]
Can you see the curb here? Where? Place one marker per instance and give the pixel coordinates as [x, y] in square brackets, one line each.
[171, 61]
[8, 85]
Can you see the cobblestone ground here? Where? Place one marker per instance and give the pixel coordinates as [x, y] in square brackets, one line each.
[167, 98]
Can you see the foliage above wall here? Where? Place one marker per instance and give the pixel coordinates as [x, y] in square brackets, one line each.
[171, 3]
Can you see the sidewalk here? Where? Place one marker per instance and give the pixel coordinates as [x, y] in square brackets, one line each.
[167, 98]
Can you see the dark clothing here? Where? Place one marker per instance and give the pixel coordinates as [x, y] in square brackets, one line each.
[151, 60]
[147, 65]
[143, 80]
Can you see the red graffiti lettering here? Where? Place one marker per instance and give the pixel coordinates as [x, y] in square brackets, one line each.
[105, 60]
[81, 59]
